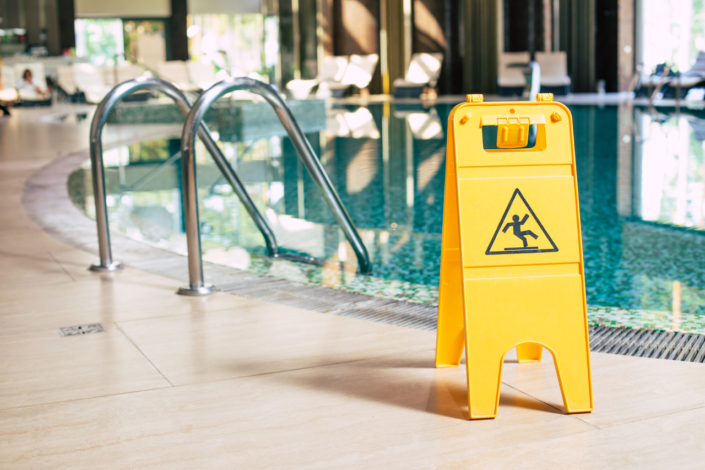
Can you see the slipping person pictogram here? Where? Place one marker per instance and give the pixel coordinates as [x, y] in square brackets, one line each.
[506, 245]
[519, 233]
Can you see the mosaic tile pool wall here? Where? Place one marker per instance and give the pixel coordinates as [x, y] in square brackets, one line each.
[641, 179]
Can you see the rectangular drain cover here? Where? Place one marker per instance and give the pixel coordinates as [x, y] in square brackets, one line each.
[81, 330]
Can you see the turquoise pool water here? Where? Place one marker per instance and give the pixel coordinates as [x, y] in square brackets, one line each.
[641, 177]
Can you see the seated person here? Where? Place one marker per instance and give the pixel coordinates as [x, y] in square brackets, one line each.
[27, 88]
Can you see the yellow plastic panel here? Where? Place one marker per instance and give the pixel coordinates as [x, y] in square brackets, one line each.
[513, 221]
[554, 144]
[512, 265]
[512, 132]
[542, 310]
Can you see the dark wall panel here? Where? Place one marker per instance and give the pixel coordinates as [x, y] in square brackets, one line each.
[480, 48]
[67, 31]
[607, 43]
[577, 31]
[517, 28]
[178, 47]
[437, 27]
[33, 26]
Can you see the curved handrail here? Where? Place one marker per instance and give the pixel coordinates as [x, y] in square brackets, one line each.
[96, 150]
[306, 153]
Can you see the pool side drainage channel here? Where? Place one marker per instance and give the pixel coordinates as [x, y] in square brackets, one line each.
[677, 346]
[673, 345]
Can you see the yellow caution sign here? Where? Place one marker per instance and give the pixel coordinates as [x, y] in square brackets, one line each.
[512, 272]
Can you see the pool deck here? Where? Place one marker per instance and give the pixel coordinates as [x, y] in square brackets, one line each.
[234, 382]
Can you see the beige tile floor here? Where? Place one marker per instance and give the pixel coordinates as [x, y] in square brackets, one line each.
[229, 382]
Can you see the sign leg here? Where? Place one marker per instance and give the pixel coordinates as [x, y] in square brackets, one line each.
[450, 338]
[484, 369]
[573, 370]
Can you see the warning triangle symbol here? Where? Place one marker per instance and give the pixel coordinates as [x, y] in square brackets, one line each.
[520, 231]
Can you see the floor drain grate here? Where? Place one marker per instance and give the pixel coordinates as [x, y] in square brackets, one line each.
[673, 345]
[81, 330]
[676, 346]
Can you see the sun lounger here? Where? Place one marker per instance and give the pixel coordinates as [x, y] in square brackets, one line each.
[649, 83]
[358, 74]
[423, 72]
[122, 73]
[201, 74]
[67, 85]
[65, 80]
[695, 77]
[332, 71]
[90, 81]
[128, 72]
[7, 72]
[554, 72]
[176, 72]
[8, 94]
[511, 80]
[672, 82]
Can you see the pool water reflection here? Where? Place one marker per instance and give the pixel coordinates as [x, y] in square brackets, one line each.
[641, 177]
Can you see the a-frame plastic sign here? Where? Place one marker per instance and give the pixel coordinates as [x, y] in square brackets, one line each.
[512, 272]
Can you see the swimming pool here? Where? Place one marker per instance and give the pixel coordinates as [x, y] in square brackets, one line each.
[641, 177]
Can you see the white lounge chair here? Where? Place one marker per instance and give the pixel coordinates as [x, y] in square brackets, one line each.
[332, 71]
[424, 70]
[129, 72]
[7, 72]
[357, 74]
[122, 73]
[65, 81]
[685, 81]
[67, 85]
[511, 80]
[176, 72]
[89, 79]
[554, 72]
[8, 94]
[201, 74]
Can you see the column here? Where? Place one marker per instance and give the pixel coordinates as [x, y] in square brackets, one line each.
[10, 11]
[627, 39]
[577, 38]
[437, 29]
[606, 43]
[52, 19]
[393, 31]
[33, 24]
[480, 43]
[178, 41]
[308, 38]
[288, 41]
[60, 17]
[67, 18]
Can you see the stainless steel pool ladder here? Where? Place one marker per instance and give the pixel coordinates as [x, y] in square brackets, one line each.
[305, 151]
[97, 170]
